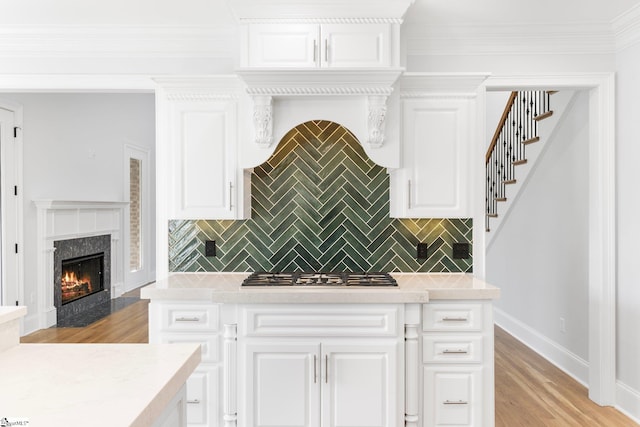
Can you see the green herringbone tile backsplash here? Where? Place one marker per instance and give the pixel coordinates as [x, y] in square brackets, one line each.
[321, 204]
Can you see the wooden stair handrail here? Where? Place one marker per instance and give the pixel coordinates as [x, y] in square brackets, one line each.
[503, 119]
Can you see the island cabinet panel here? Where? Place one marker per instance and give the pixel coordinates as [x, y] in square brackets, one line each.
[341, 379]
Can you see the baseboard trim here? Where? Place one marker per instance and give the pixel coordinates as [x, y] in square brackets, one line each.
[628, 401]
[568, 362]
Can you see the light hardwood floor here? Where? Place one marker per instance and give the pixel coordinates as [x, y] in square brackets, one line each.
[529, 390]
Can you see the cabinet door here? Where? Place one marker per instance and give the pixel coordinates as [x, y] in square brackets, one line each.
[360, 385]
[203, 141]
[283, 45]
[282, 385]
[436, 135]
[356, 45]
[452, 396]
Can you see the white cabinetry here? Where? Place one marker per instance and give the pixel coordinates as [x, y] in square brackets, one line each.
[434, 181]
[312, 45]
[321, 366]
[438, 176]
[193, 322]
[198, 177]
[458, 385]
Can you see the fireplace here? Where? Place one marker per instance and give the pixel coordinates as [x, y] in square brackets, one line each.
[81, 274]
[81, 277]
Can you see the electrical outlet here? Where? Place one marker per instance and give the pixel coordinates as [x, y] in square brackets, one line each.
[423, 251]
[210, 248]
[563, 329]
[460, 251]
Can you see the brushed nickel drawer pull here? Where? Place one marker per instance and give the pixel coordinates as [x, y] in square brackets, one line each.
[193, 402]
[455, 319]
[455, 351]
[187, 319]
[459, 402]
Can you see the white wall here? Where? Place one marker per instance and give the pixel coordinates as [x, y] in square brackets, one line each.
[74, 150]
[539, 258]
[495, 104]
[628, 219]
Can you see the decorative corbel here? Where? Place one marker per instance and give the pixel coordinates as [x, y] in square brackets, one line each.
[263, 119]
[376, 120]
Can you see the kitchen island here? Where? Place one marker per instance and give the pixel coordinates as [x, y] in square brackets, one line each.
[321, 355]
[91, 384]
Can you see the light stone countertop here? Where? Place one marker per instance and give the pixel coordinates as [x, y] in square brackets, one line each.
[226, 288]
[92, 384]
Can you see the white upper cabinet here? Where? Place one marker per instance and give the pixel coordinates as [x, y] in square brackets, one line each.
[197, 151]
[436, 143]
[311, 45]
[440, 166]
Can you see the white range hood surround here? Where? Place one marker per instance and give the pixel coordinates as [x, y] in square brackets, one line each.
[362, 100]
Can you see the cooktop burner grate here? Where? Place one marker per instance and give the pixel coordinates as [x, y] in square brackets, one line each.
[319, 279]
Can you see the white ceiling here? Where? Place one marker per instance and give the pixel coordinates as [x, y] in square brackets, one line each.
[482, 12]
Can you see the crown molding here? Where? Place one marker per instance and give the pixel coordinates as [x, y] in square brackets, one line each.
[626, 28]
[318, 9]
[118, 41]
[321, 20]
[512, 38]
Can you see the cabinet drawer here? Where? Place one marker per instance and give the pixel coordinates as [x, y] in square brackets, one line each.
[457, 349]
[209, 344]
[321, 320]
[452, 317]
[189, 317]
[203, 397]
[452, 396]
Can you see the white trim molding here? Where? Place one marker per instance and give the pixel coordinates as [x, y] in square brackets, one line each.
[64, 219]
[626, 28]
[508, 38]
[602, 216]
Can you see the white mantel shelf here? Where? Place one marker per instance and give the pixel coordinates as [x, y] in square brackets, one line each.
[412, 288]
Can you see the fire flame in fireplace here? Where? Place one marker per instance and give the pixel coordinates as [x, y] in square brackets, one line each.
[73, 286]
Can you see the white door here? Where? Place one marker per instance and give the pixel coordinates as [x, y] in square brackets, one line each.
[360, 385]
[282, 385]
[10, 206]
[137, 242]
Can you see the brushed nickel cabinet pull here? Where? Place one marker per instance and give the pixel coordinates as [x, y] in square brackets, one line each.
[230, 196]
[409, 194]
[457, 402]
[454, 319]
[315, 51]
[187, 319]
[315, 369]
[193, 402]
[326, 50]
[455, 351]
[326, 368]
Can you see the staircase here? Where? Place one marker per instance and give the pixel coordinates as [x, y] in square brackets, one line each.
[526, 126]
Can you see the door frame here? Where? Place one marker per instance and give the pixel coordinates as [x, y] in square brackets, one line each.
[12, 209]
[143, 276]
[602, 215]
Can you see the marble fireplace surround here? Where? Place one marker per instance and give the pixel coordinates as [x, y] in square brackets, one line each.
[60, 220]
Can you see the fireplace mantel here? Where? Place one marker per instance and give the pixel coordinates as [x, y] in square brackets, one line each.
[71, 219]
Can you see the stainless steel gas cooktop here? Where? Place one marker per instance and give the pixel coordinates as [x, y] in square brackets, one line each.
[319, 279]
